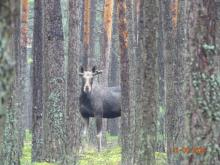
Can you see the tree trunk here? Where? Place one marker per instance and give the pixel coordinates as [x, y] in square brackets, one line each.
[105, 56]
[86, 33]
[132, 47]
[114, 78]
[92, 59]
[161, 60]
[202, 88]
[217, 58]
[37, 114]
[161, 142]
[10, 149]
[173, 24]
[125, 99]
[54, 83]
[148, 24]
[23, 65]
[73, 118]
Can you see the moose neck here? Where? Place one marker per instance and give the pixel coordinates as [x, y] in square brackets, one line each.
[84, 94]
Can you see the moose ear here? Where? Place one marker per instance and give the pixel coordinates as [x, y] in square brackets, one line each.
[81, 71]
[94, 69]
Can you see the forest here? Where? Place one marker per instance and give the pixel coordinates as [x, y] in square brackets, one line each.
[109, 82]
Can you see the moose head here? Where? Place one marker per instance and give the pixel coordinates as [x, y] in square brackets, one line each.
[87, 78]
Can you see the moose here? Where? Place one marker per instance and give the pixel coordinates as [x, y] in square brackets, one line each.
[97, 101]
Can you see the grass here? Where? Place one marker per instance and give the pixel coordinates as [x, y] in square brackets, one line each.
[26, 157]
[106, 157]
[109, 156]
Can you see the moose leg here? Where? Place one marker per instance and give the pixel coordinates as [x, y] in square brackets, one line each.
[99, 132]
[86, 125]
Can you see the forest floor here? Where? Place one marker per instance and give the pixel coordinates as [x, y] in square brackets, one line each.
[111, 155]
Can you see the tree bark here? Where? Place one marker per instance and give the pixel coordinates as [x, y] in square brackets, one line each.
[173, 37]
[23, 65]
[37, 109]
[148, 24]
[202, 91]
[114, 78]
[92, 56]
[10, 148]
[161, 142]
[105, 57]
[125, 86]
[132, 47]
[86, 33]
[54, 83]
[73, 117]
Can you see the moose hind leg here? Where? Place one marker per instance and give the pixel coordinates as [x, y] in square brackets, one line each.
[99, 132]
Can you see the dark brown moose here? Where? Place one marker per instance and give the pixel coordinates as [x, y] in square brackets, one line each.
[98, 101]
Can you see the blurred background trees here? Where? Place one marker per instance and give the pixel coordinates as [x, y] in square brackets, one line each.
[163, 54]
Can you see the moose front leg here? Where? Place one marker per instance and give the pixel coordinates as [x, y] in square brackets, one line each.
[86, 126]
[99, 131]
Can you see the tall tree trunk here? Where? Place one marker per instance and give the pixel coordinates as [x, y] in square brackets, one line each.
[10, 149]
[86, 33]
[132, 47]
[181, 50]
[6, 23]
[73, 118]
[125, 102]
[23, 65]
[202, 88]
[161, 71]
[92, 56]
[114, 78]
[19, 79]
[217, 58]
[37, 114]
[105, 57]
[148, 24]
[54, 83]
[161, 60]
[173, 73]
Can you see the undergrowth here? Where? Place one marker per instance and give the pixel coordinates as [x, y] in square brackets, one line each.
[109, 156]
